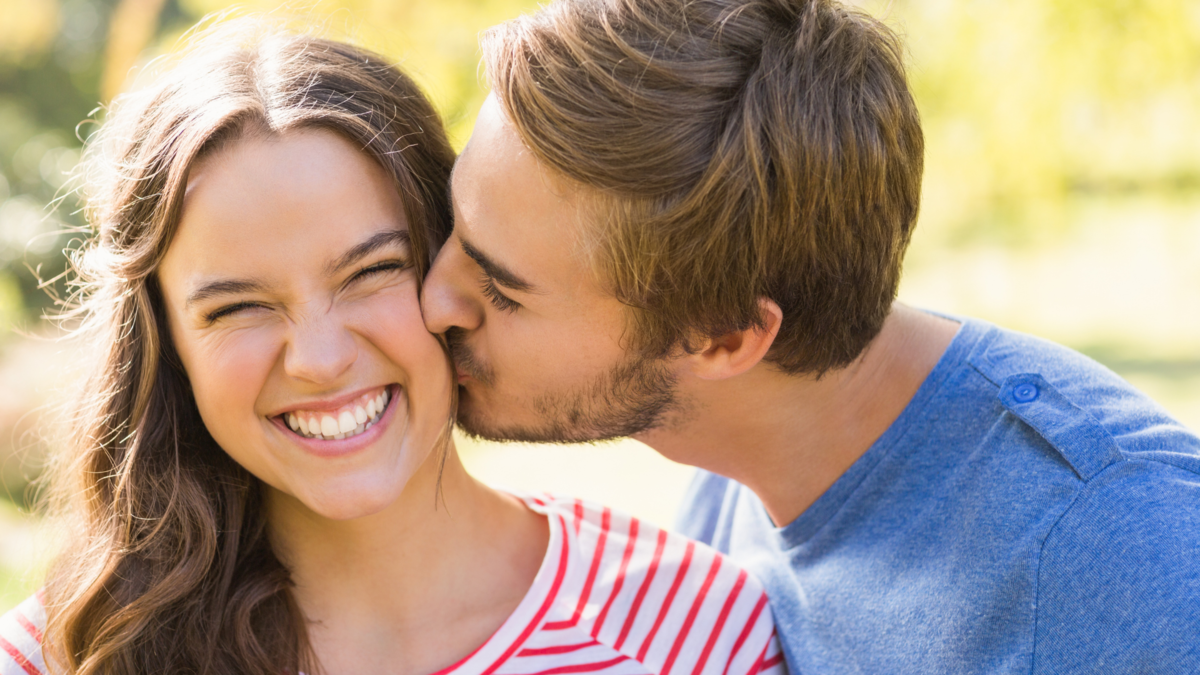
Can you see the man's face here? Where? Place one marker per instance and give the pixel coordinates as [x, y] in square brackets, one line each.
[541, 347]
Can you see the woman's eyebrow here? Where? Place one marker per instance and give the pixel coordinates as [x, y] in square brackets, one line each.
[235, 286]
[223, 287]
[366, 248]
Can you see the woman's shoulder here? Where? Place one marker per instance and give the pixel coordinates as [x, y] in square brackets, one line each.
[21, 638]
[608, 537]
[655, 596]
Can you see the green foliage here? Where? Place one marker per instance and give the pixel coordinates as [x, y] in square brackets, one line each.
[49, 69]
[1027, 103]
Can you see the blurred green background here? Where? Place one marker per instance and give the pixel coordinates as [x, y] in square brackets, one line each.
[1062, 193]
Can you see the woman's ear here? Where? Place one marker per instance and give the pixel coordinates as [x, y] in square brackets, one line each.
[735, 353]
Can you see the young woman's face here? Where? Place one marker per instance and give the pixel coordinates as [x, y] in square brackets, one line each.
[292, 301]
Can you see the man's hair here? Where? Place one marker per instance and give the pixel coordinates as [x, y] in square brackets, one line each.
[736, 149]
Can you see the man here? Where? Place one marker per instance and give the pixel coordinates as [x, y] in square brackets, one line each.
[684, 221]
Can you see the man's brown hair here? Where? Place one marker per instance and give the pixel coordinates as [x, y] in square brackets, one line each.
[737, 149]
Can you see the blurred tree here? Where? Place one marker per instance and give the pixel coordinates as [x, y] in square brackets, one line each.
[1029, 103]
[48, 83]
[132, 27]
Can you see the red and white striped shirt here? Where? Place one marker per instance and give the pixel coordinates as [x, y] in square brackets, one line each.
[613, 596]
[21, 638]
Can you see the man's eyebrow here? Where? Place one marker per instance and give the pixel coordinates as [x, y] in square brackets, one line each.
[223, 287]
[376, 242]
[495, 270]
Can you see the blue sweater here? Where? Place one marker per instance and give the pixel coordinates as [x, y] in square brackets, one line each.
[1028, 512]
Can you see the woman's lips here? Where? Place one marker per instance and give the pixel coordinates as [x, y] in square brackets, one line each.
[349, 443]
[344, 421]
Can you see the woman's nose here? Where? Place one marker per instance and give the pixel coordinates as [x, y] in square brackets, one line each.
[320, 351]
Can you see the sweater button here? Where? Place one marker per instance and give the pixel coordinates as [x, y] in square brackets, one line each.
[1024, 393]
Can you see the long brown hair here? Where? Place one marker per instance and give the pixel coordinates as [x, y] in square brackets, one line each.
[169, 568]
[736, 149]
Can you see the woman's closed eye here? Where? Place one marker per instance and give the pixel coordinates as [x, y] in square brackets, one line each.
[229, 310]
[379, 269]
[376, 270]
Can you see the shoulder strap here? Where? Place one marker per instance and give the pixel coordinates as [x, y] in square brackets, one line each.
[1072, 431]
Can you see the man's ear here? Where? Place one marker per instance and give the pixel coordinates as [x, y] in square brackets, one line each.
[735, 353]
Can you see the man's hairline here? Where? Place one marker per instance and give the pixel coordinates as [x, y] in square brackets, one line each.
[592, 203]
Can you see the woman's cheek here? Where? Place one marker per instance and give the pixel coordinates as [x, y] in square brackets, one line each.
[393, 315]
[392, 322]
[229, 370]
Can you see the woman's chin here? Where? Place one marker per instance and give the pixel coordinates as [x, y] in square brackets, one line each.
[344, 510]
[343, 501]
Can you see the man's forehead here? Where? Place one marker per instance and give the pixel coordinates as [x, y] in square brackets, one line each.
[512, 209]
[493, 133]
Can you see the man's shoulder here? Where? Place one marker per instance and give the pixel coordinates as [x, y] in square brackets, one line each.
[702, 506]
[992, 379]
[21, 638]
[1089, 415]
[1119, 574]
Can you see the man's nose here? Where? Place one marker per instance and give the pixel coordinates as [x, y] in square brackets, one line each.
[320, 351]
[449, 294]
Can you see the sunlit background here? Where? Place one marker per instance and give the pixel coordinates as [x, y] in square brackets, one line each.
[1062, 193]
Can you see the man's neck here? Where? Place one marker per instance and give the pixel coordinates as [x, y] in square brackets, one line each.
[790, 438]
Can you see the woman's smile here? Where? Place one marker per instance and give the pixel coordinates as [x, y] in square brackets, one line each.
[340, 418]
[343, 425]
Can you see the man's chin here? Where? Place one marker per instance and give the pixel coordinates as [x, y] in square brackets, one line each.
[483, 427]
[485, 430]
[480, 426]
[629, 399]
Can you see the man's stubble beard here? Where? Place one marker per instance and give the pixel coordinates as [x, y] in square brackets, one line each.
[634, 396]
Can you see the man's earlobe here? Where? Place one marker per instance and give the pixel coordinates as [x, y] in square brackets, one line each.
[735, 353]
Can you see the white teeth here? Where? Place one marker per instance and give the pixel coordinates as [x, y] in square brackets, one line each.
[348, 423]
[329, 426]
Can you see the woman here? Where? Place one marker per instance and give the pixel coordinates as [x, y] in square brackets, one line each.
[262, 478]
